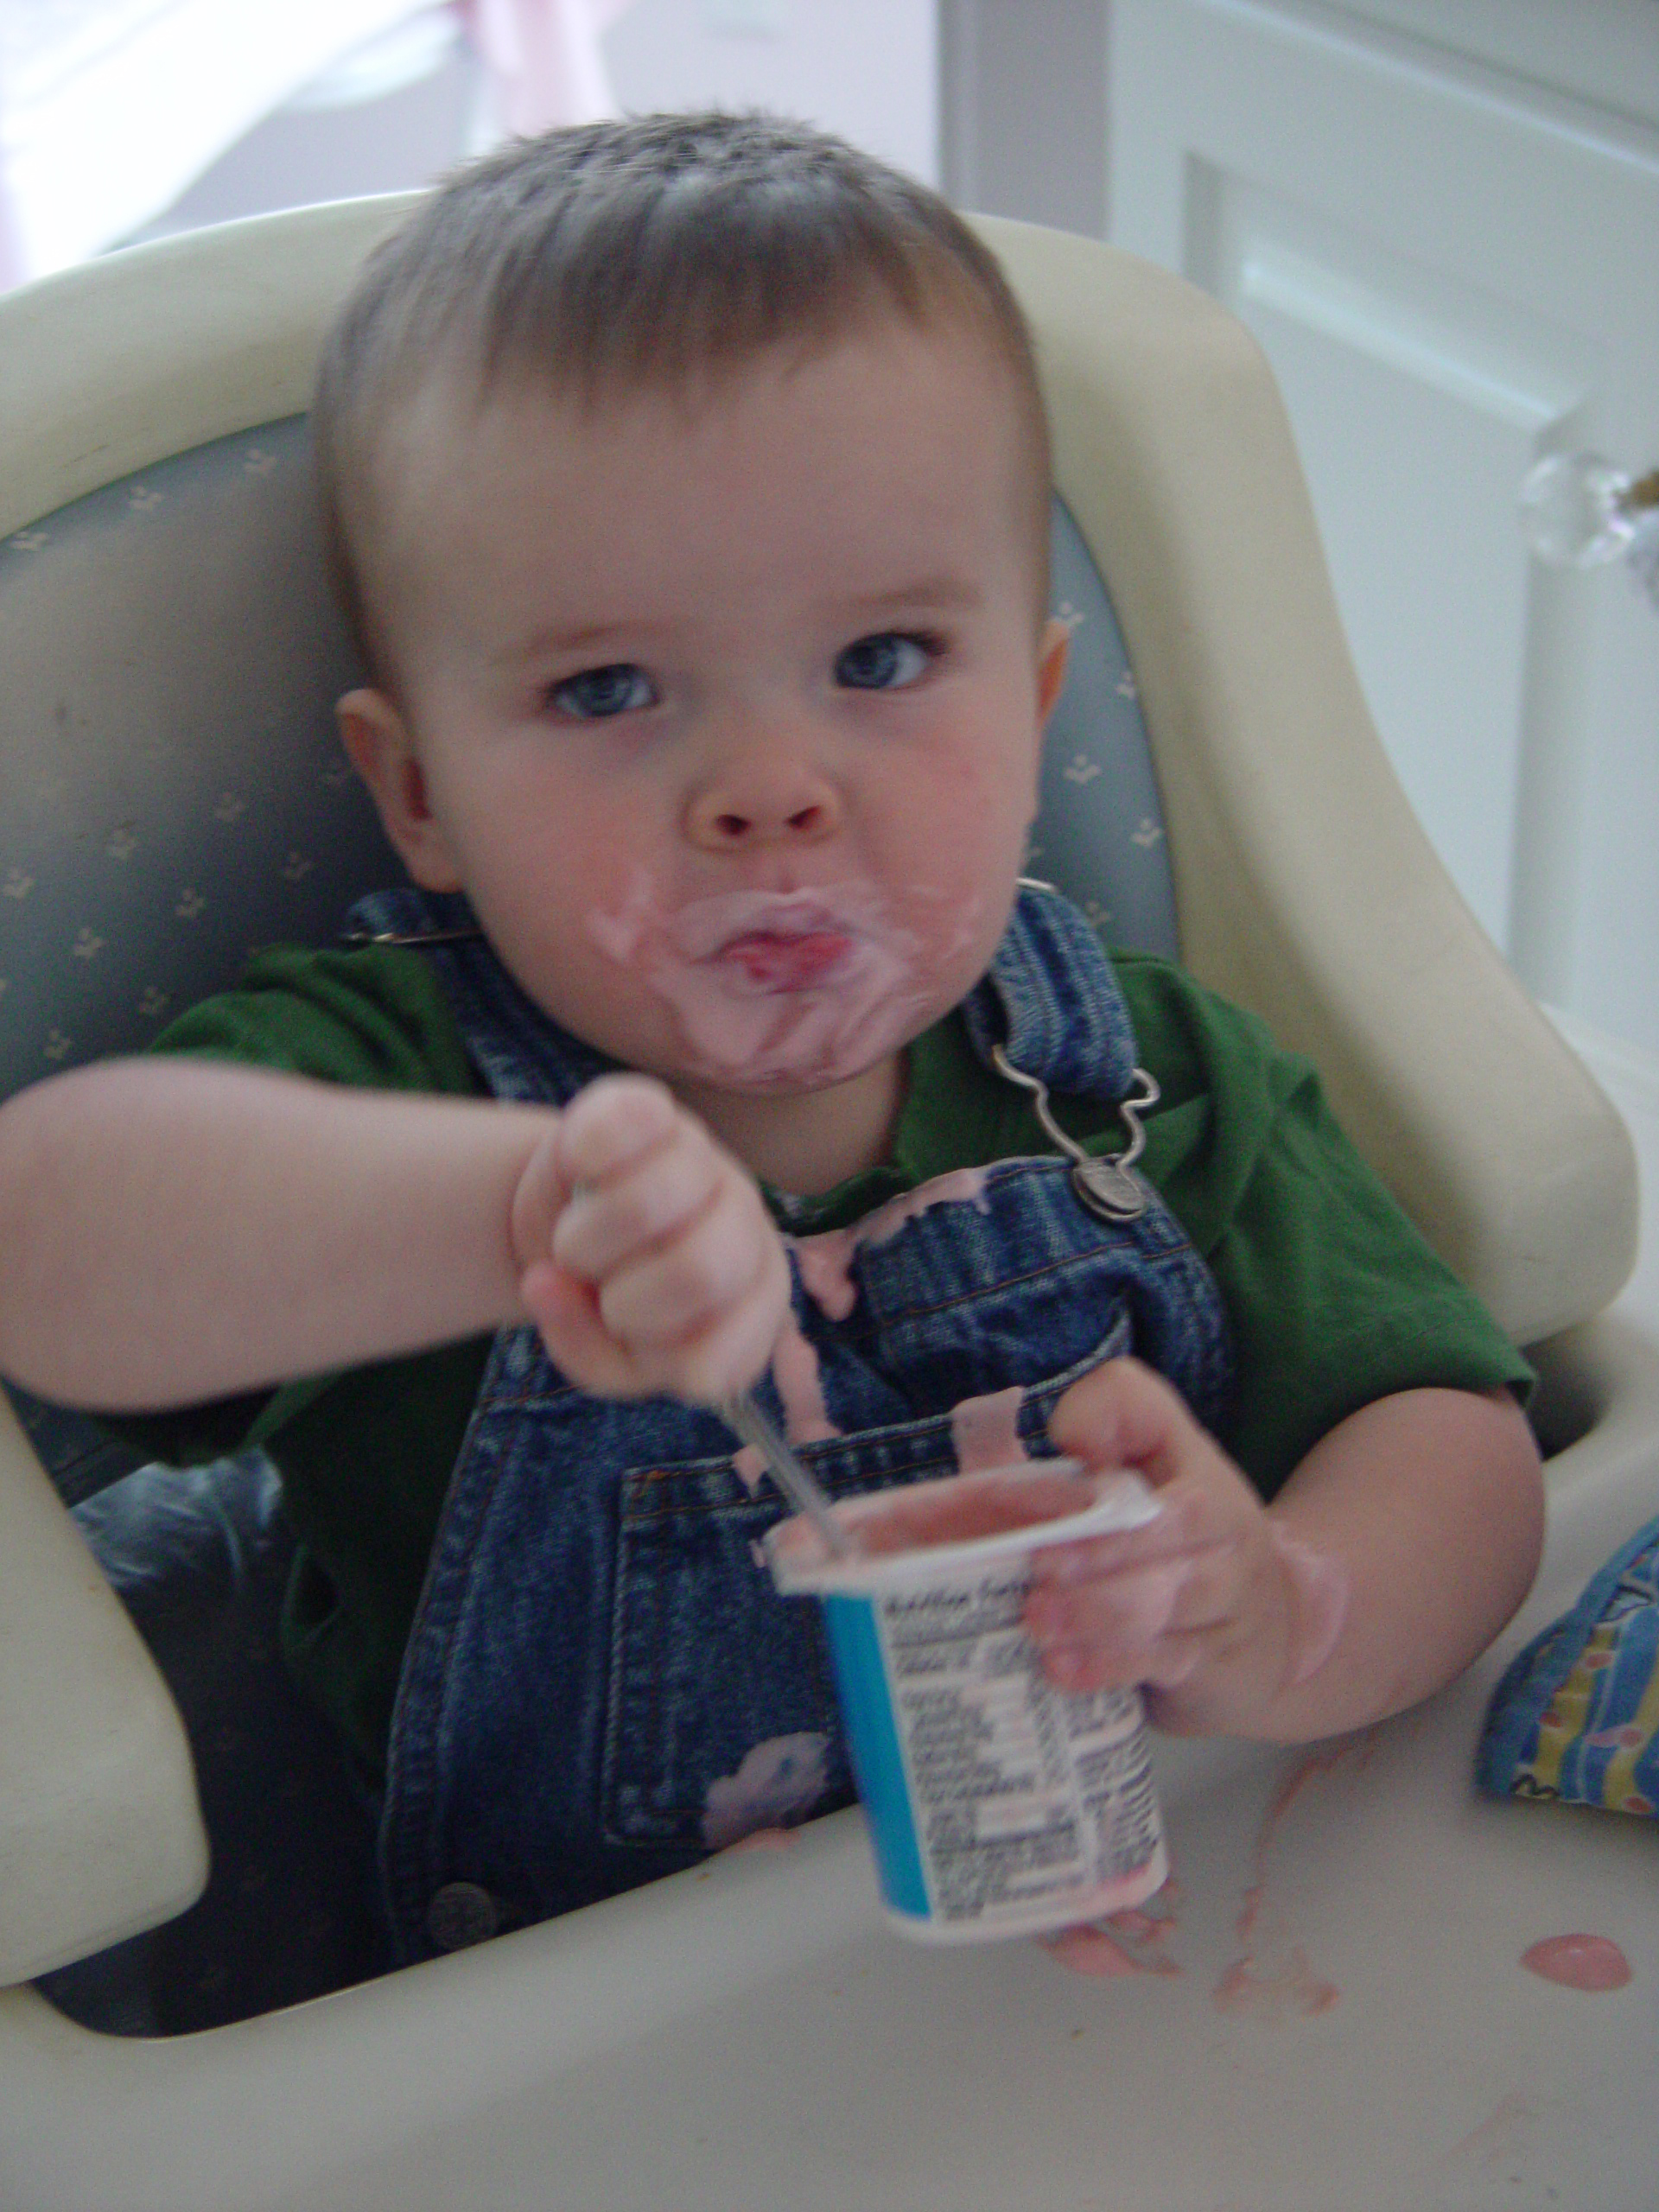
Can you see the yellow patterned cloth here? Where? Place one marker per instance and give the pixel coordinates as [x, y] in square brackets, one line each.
[1575, 1718]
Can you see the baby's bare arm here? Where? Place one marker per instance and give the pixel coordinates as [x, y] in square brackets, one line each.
[1431, 1504]
[173, 1231]
[1392, 1555]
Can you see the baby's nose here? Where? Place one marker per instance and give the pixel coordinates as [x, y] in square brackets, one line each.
[763, 798]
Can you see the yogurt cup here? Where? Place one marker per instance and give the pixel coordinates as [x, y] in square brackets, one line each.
[998, 1805]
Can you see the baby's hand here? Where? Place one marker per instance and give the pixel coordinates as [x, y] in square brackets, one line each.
[1209, 1606]
[649, 1261]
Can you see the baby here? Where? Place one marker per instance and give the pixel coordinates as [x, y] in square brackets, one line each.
[687, 481]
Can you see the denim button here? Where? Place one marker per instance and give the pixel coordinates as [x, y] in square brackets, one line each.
[461, 1913]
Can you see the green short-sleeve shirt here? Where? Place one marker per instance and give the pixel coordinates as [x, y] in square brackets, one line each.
[1333, 1298]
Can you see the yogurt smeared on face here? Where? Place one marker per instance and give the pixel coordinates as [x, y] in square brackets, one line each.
[773, 989]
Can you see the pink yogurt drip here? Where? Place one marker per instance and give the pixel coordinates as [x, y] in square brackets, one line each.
[764, 1840]
[775, 1781]
[1248, 1986]
[1588, 1962]
[985, 1432]
[772, 988]
[1091, 1951]
[1320, 1585]
[800, 1391]
[1291, 1988]
[826, 1260]
[1128, 1942]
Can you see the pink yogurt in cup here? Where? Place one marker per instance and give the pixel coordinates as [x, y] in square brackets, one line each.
[998, 1805]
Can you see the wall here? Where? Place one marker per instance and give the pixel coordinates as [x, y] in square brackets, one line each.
[864, 68]
[1022, 122]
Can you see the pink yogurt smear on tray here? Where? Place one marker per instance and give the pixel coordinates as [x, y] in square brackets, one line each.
[1588, 1962]
[1128, 1942]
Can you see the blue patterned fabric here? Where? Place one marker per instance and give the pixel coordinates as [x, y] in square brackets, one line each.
[1100, 820]
[1575, 1719]
[172, 787]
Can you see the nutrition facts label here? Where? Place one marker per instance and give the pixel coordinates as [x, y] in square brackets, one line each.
[1019, 1791]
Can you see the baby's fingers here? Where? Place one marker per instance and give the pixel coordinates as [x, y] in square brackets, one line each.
[566, 1311]
[611, 1124]
[1151, 1622]
[710, 1365]
[606, 1130]
[656, 1196]
[1090, 1635]
[1124, 1415]
[730, 1355]
[675, 1291]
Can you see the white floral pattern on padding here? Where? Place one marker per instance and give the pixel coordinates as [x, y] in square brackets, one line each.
[1101, 826]
[172, 789]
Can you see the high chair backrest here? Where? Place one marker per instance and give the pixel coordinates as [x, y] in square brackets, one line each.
[171, 791]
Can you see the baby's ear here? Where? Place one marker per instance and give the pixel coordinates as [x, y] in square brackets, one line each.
[379, 746]
[1053, 648]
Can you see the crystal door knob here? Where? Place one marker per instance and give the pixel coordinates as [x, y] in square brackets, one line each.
[1578, 510]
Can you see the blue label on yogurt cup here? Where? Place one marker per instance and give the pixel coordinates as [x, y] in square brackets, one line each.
[998, 1805]
[877, 1755]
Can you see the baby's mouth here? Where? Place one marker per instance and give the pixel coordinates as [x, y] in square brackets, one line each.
[772, 990]
[785, 960]
[761, 943]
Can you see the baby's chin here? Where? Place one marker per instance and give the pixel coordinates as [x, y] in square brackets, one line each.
[789, 1068]
[768, 1019]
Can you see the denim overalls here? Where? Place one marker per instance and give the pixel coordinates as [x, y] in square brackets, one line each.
[601, 1684]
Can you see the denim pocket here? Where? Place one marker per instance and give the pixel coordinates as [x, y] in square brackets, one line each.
[956, 1305]
[721, 1714]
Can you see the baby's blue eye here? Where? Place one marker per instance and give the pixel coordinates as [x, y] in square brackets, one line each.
[618, 689]
[884, 662]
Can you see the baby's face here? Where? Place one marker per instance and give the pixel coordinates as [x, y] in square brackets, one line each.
[726, 718]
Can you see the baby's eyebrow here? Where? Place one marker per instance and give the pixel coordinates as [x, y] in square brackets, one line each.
[942, 594]
[556, 642]
[945, 593]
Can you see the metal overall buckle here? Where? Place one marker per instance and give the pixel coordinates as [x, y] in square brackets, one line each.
[1104, 1182]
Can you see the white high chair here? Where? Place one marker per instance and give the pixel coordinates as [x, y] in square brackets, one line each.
[749, 2033]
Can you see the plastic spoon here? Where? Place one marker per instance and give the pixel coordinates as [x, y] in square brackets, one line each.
[743, 1416]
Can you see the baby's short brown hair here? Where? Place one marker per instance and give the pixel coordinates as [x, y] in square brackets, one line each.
[647, 255]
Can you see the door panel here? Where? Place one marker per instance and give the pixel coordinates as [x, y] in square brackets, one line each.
[1453, 274]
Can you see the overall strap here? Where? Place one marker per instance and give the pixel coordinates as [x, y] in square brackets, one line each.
[521, 1053]
[1050, 1000]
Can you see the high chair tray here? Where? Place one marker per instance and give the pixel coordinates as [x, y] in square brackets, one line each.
[1330, 2011]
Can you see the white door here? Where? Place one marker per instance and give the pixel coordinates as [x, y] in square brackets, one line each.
[1455, 270]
